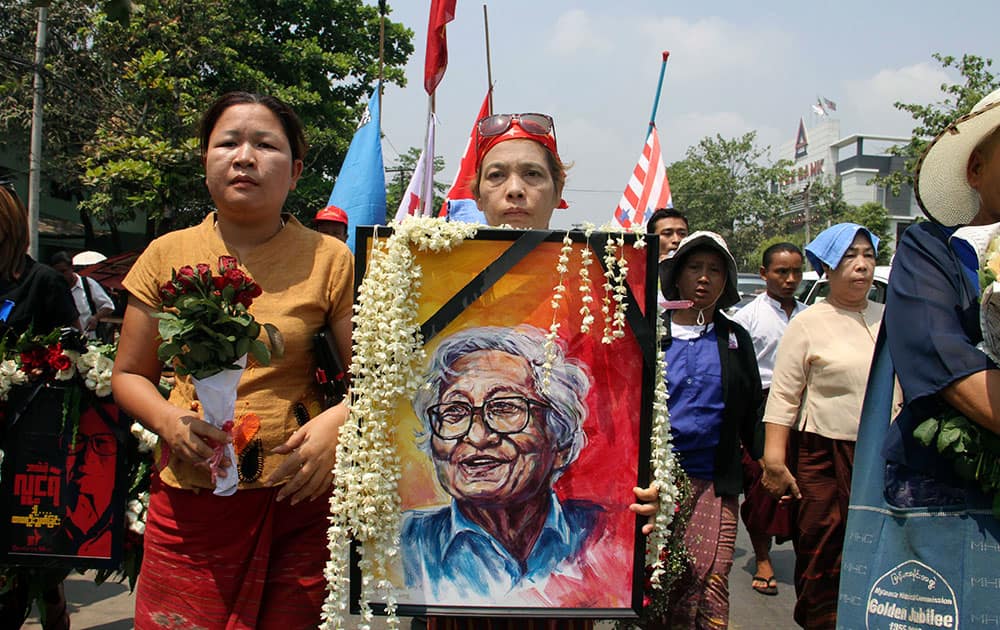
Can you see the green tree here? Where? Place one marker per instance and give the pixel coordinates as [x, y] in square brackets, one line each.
[795, 238]
[401, 172]
[73, 82]
[977, 80]
[875, 217]
[156, 65]
[826, 203]
[725, 185]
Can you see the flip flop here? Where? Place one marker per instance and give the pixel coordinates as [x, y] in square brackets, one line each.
[770, 585]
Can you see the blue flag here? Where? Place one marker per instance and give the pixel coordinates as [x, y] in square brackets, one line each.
[360, 187]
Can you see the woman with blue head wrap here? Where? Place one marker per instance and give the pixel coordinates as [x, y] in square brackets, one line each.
[813, 409]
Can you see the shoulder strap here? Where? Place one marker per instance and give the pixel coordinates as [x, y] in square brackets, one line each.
[90, 298]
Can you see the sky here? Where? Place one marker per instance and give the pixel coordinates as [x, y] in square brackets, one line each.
[734, 67]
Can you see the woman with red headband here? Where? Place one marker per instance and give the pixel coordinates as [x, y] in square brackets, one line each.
[519, 182]
[519, 176]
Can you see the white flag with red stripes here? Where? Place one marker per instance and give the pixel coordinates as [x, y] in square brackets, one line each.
[648, 188]
[418, 200]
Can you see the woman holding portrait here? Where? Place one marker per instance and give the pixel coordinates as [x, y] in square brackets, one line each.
[813, 411]
[518, 183]
[256, 558]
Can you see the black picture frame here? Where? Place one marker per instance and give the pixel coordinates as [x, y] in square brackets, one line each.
[510, 252]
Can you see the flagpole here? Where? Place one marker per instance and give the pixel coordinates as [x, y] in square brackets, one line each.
[381, 56]
[428, 159]
[659, 87]
[489, 63]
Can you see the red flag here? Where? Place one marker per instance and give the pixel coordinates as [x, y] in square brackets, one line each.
[467, 167]
[647, 189]
[442, 12]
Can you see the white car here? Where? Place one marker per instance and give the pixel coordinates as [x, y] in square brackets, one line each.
[809, 278]
[821, 288]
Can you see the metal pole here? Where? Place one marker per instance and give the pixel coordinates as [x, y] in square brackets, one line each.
[35, 150]
[381, 56]
[489, 64]
[806, 200]
[659, 87]
[428, 160]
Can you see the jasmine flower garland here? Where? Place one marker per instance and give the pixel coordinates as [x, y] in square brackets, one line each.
[586, 286]
[388, 355]
[558, 293]
[664, 468]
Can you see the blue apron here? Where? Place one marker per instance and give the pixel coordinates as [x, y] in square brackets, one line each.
[910, 568]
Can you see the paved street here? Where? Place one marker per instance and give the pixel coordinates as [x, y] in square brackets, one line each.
[109, 606]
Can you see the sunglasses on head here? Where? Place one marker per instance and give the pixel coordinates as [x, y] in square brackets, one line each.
[535, 124]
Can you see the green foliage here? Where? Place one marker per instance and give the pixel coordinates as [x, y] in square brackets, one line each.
[973, 451]
[826, 203]
[125, 89]
[795, 238]
[725, 185]
[977, 80]
[875, 217]
[401, 172]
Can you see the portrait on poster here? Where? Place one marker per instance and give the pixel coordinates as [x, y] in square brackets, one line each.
[62, 505]
[524, 439]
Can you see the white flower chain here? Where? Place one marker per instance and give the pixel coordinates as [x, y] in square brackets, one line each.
[95, 369]
[663, 464]
[615, 289]
[388, 354]
[558, 295]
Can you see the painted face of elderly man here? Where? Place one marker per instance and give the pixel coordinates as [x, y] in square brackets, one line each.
[498, 440]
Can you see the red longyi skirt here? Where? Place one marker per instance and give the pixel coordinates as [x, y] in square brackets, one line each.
[243, 561]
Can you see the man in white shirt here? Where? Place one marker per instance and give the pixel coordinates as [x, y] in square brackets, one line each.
[766, 318]
[92, 301]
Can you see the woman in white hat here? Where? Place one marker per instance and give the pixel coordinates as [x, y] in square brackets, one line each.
[932, 307]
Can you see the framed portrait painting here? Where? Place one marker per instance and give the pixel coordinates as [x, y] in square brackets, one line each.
[529, 427]
[63, 480]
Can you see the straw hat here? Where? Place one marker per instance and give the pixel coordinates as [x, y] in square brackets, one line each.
[942, 190]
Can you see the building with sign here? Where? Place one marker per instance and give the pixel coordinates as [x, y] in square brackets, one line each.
[820, 153]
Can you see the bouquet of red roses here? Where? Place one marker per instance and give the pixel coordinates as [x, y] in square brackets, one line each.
[206, 326]
[207, 331]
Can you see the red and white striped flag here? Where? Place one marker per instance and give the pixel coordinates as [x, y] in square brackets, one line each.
[459, 204]
[418, 200]
[648, 188]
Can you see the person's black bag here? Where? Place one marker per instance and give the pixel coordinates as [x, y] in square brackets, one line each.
[333, 379]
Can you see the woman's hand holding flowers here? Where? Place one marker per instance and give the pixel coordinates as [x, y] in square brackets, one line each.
[191, 439]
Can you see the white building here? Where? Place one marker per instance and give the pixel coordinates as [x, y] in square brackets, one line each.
[821, 152]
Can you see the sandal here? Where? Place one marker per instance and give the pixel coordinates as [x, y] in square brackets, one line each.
[764, 585]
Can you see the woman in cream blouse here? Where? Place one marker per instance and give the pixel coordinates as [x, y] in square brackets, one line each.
[812, 414]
